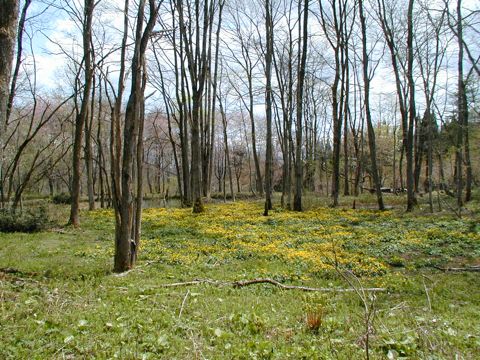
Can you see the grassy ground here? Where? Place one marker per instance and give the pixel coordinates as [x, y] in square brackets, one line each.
[64, 302]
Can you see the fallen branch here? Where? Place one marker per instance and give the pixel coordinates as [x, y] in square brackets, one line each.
[293, 287]
[14, 271]
[195, 282]
[13, 274]
[242, 283]
[463, 269]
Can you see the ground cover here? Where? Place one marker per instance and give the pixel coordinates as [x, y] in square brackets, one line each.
[59, 299]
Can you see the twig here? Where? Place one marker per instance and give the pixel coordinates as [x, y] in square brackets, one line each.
[428, 296]
[183, 304]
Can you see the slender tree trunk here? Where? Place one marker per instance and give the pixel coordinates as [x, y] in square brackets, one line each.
[411, 200]
[227, 151]
[100, 156]
[82, 116]
[461, 112]
[430, 160]
[258, 173]
[370, 130]
[302, 52]
[268, 107]
[89, 150]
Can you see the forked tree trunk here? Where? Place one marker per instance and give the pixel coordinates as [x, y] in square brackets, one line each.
[128, 211]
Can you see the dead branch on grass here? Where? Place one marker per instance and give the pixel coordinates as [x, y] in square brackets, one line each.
[243, 283]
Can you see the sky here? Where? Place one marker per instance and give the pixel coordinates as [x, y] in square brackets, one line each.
[53, 31]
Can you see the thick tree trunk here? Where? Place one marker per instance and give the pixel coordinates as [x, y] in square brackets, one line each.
[128, 210]
[8, 32]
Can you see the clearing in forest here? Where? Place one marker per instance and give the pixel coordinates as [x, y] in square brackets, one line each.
[63, 301]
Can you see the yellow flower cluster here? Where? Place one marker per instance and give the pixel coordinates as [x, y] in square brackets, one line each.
[235, 230]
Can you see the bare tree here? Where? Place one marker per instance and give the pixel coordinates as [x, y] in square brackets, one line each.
[129, 207]
[82, 115]
[370, 130]
[268, 105]
[302, 59]
[196, 52]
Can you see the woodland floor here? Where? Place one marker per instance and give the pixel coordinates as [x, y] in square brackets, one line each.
[59, 299]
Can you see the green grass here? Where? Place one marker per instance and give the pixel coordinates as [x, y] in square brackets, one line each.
[65, 302]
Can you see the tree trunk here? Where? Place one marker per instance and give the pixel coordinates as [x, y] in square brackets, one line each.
[82, 116]
[302, 53]
[89, 150]
[370, 130]
[411, 200]
[128, 228]
[268, 107]
[8, 31]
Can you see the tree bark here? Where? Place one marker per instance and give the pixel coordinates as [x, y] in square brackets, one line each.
[302, 53]
[8, 31]
[411, 200]
[268, 106]
[129, 209]
[89, 150]
[370, 130]
[461, 111]
[82, 116]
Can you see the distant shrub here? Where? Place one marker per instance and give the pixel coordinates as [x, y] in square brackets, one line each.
[396, 261]
[62, 198]
[28, 221]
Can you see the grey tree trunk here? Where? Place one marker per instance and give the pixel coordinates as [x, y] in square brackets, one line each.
[461, 111]
[129, 209]
[370, 130]
[411, 200]
[89, 150]
[302, 53]
[268, 106]
[82, 116]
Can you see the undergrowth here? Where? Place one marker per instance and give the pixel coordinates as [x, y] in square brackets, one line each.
[58, 298]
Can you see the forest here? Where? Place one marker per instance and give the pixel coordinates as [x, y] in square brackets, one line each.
[250, 179]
